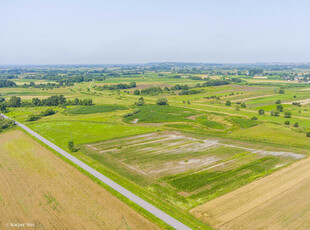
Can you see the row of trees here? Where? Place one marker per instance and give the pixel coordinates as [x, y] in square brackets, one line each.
[116, 87]
[55, 100]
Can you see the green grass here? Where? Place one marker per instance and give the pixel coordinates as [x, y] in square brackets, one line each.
[275, 134]
[217, 182]
[209, 123]
[244, 123]
[164, 113]
[95, 109]
[60, 132]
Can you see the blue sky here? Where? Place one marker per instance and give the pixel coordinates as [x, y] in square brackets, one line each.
[132, 31]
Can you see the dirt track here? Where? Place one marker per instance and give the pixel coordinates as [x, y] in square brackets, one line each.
[279, 201]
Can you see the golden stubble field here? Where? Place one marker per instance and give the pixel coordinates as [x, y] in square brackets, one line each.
[39, 188]
[278, 201]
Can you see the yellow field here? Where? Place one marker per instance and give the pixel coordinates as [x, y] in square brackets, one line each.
[278, 201]
[39, 188]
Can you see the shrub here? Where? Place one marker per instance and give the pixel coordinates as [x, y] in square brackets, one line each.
[228, 103]
[280, 108]
[140, 103]
[254, 118]
[162, 101]
[71, 146]
[137, 110]
[287, 114]
[287, 122]
[261, 112]
[127, 114]
[281, 91]
[5, 123]
[136, 92]
[243, 105]
[278, 102]
[48, 112]
[296, 125]
[33, 117]
[308, 134]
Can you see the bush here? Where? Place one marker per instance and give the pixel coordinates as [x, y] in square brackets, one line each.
[281, 91]
[275, 113]
[287, 122]
[243, 105]
[254, 118]
[71, 146]
[308, 134]
[137, 110]
[287, 114]
[5, 123]
[278, 102]
[261, 112]
[128, 115]
[47, 112]
[296, 125]
[280, 108]
[162, 101]
[33, 117]
[228, 103]
[136, 92]
[140, 102]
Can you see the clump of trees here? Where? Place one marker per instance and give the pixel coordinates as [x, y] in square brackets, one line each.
[7, 83]
[228, 103]
[152, 91]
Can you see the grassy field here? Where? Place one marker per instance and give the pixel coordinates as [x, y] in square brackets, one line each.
[95, 109]
[40, 189]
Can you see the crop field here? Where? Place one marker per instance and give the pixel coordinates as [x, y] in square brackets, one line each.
[39, 188]
[277, 201]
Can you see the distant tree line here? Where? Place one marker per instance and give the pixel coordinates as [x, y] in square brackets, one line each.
[116, 87]
[185, 89]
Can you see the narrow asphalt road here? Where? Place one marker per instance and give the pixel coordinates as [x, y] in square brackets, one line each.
[144, 204]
